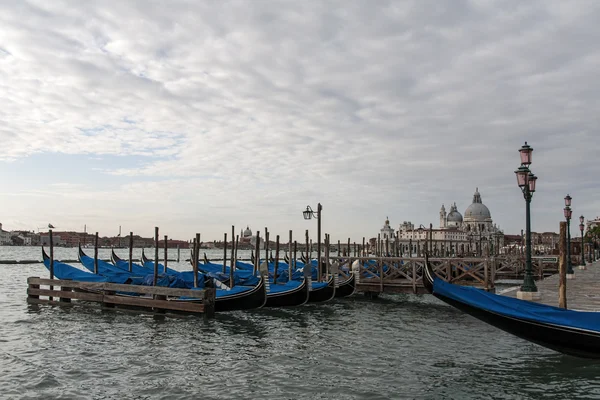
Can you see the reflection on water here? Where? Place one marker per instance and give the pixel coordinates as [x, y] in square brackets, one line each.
[402, 346]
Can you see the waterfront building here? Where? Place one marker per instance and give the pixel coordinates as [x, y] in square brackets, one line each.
[4, 237]
[475, 234]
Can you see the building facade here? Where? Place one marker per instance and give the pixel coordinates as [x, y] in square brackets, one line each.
[473, 235]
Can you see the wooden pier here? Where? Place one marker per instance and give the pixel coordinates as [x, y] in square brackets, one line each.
[405, 274]
[583, 291]
[153, 299]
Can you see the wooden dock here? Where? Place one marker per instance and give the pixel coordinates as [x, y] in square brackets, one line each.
[583, 292]
[405, 274]
[153, 299]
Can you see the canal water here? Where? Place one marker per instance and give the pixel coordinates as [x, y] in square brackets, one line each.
[396, 347]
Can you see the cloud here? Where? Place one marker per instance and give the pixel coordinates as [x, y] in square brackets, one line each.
[248, 108]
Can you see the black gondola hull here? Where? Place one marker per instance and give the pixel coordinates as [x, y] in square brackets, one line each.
[254, 298]
[323, 294]
[346, 288]
[572, 341]
[295, 297]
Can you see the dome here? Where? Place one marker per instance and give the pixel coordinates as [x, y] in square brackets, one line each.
[477, 211]
[454, 215]
[247, 232]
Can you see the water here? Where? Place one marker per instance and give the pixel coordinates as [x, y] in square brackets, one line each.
[398, 347]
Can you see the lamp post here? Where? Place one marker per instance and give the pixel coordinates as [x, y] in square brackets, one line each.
[568, 214]
[581, 226]
[308, 214]
[526, 181]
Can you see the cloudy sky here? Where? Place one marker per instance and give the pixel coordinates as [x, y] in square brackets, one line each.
[198, 115]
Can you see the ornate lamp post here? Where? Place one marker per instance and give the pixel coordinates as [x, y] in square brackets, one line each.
[308, 214]
[526, 181]
[581, 226]
[568, 214]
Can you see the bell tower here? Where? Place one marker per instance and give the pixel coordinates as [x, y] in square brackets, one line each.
[443, 217]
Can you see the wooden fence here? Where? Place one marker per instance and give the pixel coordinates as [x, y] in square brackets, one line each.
[156, 299]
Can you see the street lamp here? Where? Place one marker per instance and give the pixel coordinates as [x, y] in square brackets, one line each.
[581, 226]
[526, 181]
[568, 214]
[308, 214]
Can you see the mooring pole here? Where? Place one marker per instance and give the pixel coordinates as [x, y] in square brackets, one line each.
[290, 257]
[276, 260]
[224, 252]
[96, 254]
[195, 260]
[562, 266]
[130, 251]
[257, 255]
[155, 279]
[178, 253]
[166, 254]
[295, 255]
[51, 260]
[233, 259]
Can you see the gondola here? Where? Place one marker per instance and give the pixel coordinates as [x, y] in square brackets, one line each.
[322, 291]
[576, 333]
[347, 287]
[294, 293]
[237, 298]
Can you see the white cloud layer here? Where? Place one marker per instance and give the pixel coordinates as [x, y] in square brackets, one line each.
[246, 111]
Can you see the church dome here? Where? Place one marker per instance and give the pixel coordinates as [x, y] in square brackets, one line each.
[477, 211]
[454, 215]
[247, 232]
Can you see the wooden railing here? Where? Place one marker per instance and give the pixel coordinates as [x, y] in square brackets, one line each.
[161, 299]
[405, 274]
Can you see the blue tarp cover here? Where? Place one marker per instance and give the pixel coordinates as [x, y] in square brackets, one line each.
[516, 308]
[66, 271]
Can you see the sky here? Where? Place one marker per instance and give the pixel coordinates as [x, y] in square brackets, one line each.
[194, 116]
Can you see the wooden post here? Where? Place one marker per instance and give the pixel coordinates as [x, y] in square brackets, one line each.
[295, 255]
[276, 260]
[363, 248]
[232, 251]
[195, 261]
[166, 255]
[387, 247]
[266, 247]
[155, 279]
[355, 250]
[290, 256]
[233, 260]
[51, 254]
[349, 254]
[96, 254]
[51, 260]
[224, 252]
[339, 248]
[327, 253]
[378, 251]
[130, 251]
[309, 265]
[562, 266]
[178, 253]
[257, 255]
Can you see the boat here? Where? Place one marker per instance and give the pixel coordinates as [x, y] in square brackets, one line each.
[347, 287]
[576, 333]
[292, 293]
[226, 299]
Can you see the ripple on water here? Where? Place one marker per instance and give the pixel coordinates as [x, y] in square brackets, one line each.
[400, 346]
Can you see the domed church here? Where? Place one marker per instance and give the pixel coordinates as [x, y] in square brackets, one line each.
[473, 234]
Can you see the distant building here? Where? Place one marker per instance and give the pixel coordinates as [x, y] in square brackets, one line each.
[5, 239]
[475, 234]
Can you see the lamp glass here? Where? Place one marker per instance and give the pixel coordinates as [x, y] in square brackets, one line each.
[522, 174]
[568, 201]
[525, 152]
[532, 180]
[581, 219]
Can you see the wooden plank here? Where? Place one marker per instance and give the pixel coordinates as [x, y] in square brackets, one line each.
[66, 294]
[118, 287]
[149, 302]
